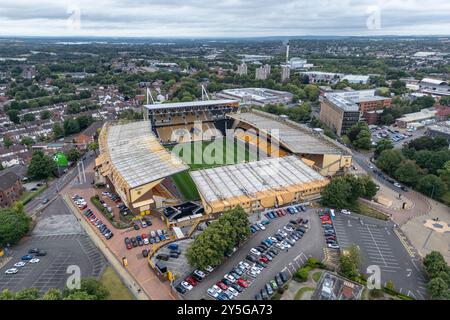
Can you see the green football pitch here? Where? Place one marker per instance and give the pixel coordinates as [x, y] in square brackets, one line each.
[207, 154]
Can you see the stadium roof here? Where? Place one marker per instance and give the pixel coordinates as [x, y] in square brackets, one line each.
[293, 136]
[246, 181]
[137, 155]
[202, 103]
[434, 81]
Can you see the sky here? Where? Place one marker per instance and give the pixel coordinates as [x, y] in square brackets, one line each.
[223, 18]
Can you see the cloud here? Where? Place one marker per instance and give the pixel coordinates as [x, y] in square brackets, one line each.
[197, 18]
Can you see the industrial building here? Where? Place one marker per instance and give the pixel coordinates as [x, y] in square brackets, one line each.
[257, 96]
[134, 163]
[322, 153]
[320, 76]
[338, 113]
[417, 119]
[356, 79]
[434, 86]
[441, 129]
[257, 185]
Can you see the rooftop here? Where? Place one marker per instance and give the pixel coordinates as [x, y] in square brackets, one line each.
[417, 116]
[137, 155]
[248, 179]
[257, 93]
[434, 81]
[295, 137]
[341, 102]
[202, 103]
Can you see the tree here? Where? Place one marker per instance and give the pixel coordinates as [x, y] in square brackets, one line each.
[370, 187]
[79, 295]
[444, 173]
[408, 172]
[94, 288]
[343, 192]
[93, 146]
[389, 160]
[27, 294]
[6, 295]
[13, 115]
[219, 237]
[363, 140]
[431, 186]
[41, 166]
[45, 115]
[28, 117]
[27, 141]
[73, 155]
[58, 132]
[7, 142]
[438, 288]
[71, 126]
[52, 294]
[383, 144]
[13, 226]
[434, 264]
[349, 262]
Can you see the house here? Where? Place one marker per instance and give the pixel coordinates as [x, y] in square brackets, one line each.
[10, 188]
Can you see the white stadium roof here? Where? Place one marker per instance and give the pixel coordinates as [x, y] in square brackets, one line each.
[137, 155]
[248, 179]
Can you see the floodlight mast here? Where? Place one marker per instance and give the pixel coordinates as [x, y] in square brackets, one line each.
[149, 97]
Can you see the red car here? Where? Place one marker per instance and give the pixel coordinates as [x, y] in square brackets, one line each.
[242, 283]
[222, 285]
[326, 222]
[128, 243]
[283, 212]
[264, 259]
[279, 213]
[144, 236]
[325, 218]
[191, 281]
[83, 207]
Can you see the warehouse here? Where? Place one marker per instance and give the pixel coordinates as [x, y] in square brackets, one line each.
[257, 185]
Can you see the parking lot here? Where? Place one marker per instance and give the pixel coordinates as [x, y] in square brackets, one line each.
[179, 266]
[380, 246]
[311, 245]
[397, 135]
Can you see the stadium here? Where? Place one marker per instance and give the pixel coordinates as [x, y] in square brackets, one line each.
[195, 159]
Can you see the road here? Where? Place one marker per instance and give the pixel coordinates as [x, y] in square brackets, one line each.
[55, 186]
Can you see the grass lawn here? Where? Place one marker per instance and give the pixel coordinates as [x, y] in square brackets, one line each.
[365, 210]
[445, 198]
[206, 154]
[316, 276]
[117, 290]
[301, 291]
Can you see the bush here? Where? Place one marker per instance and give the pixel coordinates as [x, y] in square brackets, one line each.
[301, 275]
[96, 201]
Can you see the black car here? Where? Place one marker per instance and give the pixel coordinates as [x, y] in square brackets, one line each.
[283, 275]
[145, 253]
[180, 289]
[196, 277]
[258, 296]
[278, 280]
[174, 255]
[41, 253]
[134, 242]
[136, 227]
[162, 256]
[264, 294]
[226, 282]
[274, 251]
[109, 235]
[33, 250]
[237, 287]
[261, 264]
[176, 251]
[251, 258]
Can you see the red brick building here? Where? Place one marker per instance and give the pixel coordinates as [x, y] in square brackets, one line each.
[10, 188]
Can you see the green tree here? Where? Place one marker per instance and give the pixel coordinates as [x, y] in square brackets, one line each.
[438, 288]
[363, 140]
[370, 187]
[93, 146]
[444, 173]
[27, 141]
[79, 295]
[45, 115]
[13, 226]
[41, 166]
[408, 172]
[7, 295]
[58, 131]
[71, 126]
[349, 262]
[434, 264]
[7, 142]
[52, 294]
[383, 144]
[389, 160]
[73, 155]
[27, 294]
[28, 117]
[431, 186]
[13, 116]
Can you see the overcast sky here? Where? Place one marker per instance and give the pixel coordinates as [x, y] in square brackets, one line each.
[217, 18]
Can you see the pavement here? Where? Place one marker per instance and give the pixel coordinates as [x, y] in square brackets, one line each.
[58, 232]
[311, 245]
[379, 245]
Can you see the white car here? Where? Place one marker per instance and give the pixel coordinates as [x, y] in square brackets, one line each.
[186, 285]
[146, 241]
[213, 293]
[261, 226]
[12, 271]
[273, 239]
[216, 288]
[398, 185]
[345, 211]
[19, 264]
[286, 245]
[34, 260]
[233, 291]
[230, 278]
[255, 252]
[280, 245]
[333, 246]
[209, 269]
[253, 273]
[288, 228]
[200, 273]
[244, 265]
